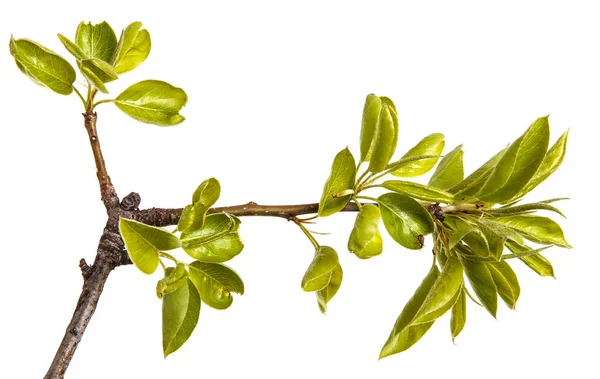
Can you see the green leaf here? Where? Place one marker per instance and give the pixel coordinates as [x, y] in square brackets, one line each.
[365, 240]
[173, 280]
[506, 282]
[342, 177]
[523, 209]
[518, 165]
[382, 149]
[97, 72]
[207, 193]
[394, 114]
[370, 118]
[536, 228]
[443, 294]
[405, 219]
[96, 41]
[217, 241]
[326, 294]
[133, 48]
[143, 242]
[187, 218]
[43, 66]
[468, 187]
[551, 162]
[180, 314]
[458, 316]
[215, 283]
[72, 47]
[450, 171]
[405, 334]
[433, 144]
[320, 272]
[418, 191]
[153, 102]
[409, 161]
[483, 284]
[536, 262]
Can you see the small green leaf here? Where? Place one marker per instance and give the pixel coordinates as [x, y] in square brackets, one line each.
[173, 280]
[217, 241]
[43, 66]
[506, 282]
[458, 316]
[405, 219]
[153, 102]
[483, 284]
[536, 228]
[207, 193]
[433, 144]
[523, 209]
[97, 72]
[370, 118]
[418, 191]
[394, 114]
[72, 47]
[96, 41]
[143, 242]
[409, 161]
[133, 48]
[469, 186]
[443, 294]
[187, 218]
[518, 165]
[326, 294]
[320, 272]
[381, 151]
[365, 240]
[180, 314]
[341, 178]
[215, 282]
[450, 171]
[536, 262]
[405, 334]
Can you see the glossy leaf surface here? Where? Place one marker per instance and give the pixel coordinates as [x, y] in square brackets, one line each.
[365, 240]
[217, 241]
[180, 314]
[96, 41]
[458, 316]
[320, 272]
[132, 49]
[215, 283]
[418, 191]
[450, 170]
[370, 118]
[382, 149]
[506, 282]
[176, 278]
[324, 295]
[536, 228]
[483, 284]
[433, 144]
[405, 219]
[207, 193]
[342, 177]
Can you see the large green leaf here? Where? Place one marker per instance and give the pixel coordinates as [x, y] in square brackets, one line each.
[483, 284]
[433, 144]
[382, 149]
[405, 334]
[418, 191]
[133, 48]
[153, 102]
[215, 283]
[320, 272]
[405, 219]
[324, 295]
[365, 240]
[43, 66]
[469, 186]
[536, 228]
[458, 316]
[342, 177]
[143, 242]
[370, 118]
[97, 72]
[450, 171]
[180, 314]
[506, 282]
[536, 262]
[217, 241]
[518, 165]
[173, 280]
[96, 41]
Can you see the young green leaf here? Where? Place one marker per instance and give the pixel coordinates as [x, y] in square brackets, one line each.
[381, 150]
[536, 228]
[506, 282]
[518, 165]
[450, 171]
[365, 240]
[370, 118]
[409, 161]
[153, 102]
[394, 114]
[72, 47]
[324, 295]
[405, 219]
[43, 66]
[217, 241]
[187, 218]
[458, 316]
[470, 185]
[523, 209]
[536, 262]
[96, 41]
[143, 242]
[133, 48]
[433, 144]
[173, 280]
[180, 314]
[97, 72]
[418, 191]
[207, 193]
[215, 283]
[483, 284]
[342, 177]
[405, 334]
[443, 294]
[320, 272]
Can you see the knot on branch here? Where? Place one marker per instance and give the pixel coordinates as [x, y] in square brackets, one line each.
[131, 202]
[436, 212]
[86, 269]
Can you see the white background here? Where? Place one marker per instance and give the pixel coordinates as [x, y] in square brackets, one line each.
[275, 92]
